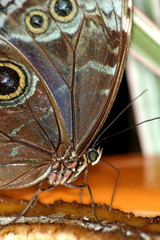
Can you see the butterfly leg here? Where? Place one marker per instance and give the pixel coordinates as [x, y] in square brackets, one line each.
[116, 183]
[90, 193]
[27, 207]
[85, 173]
[31, 202]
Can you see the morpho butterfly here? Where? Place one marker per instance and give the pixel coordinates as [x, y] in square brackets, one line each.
[61, 63]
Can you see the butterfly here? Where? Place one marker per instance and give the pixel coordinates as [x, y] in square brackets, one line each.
[61, 63]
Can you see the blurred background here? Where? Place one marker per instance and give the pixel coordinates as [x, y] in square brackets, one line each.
[142, 73]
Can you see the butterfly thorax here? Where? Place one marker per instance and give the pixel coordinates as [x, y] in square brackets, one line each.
[65, 171]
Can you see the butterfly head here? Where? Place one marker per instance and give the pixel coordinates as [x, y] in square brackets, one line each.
[93, 156]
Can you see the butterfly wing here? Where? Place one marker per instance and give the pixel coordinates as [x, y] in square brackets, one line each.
[100, 60]
[29, 132]
[75, 53]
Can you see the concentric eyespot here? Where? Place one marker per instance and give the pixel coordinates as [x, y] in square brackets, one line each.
[37, 22]
[63, 10]
[17, 83]
[12, 81]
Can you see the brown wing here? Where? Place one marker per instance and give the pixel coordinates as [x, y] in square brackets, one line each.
[64, 65]
[100, 58]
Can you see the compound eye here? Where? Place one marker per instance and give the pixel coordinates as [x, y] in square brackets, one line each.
[92, 155]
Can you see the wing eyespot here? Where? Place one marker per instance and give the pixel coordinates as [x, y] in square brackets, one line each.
[37, 22]
[63, 10]
[12, 80]
[17, 83]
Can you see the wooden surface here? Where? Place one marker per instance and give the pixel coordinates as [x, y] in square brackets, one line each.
[73, 221]
[138, 190]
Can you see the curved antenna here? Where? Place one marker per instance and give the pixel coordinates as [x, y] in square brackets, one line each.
[118, 116]
[129, 128]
